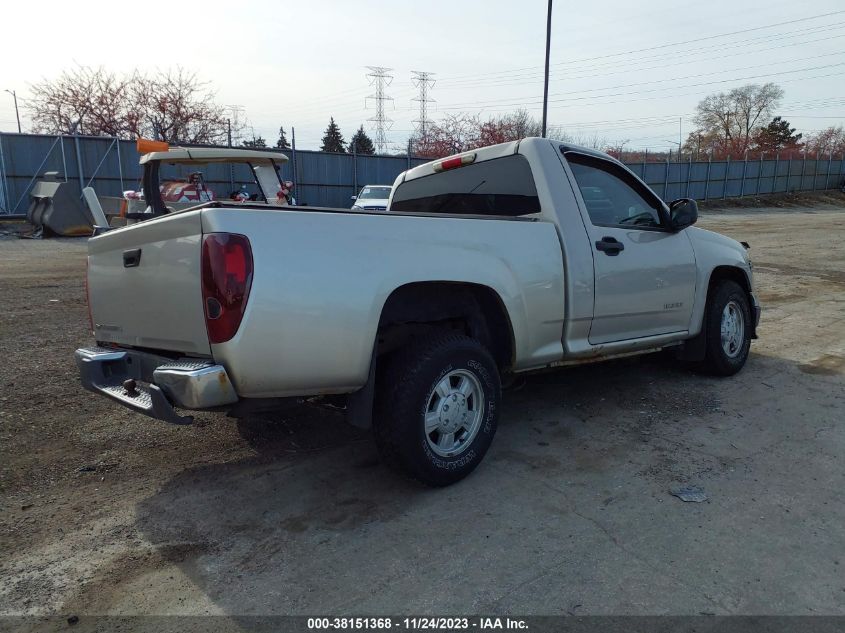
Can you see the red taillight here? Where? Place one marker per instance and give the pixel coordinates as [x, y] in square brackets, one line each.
[226, 280]
[88, 295]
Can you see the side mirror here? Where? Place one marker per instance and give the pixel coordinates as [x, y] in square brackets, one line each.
[683, 212]
[353, 197]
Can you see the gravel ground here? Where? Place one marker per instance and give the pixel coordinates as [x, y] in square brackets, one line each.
[105, 512]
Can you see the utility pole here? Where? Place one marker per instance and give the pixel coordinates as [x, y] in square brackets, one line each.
[546, 76]
[424, 82]
[293, 156]
[380, 77]
[680, 136]
[17, 114]
[231, 167]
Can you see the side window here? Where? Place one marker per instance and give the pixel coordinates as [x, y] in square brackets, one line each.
[612, 197]
[501, 186]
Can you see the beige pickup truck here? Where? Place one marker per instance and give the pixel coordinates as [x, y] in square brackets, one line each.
[504, 260]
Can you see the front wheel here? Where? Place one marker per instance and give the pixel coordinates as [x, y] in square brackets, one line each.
[727, 319]
[437, 405]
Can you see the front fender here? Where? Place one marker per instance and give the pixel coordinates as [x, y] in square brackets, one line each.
[714, 251]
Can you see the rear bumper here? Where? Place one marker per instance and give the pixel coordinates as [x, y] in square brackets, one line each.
[189, 384]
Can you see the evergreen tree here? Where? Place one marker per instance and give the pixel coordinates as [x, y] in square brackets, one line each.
[777, 135]
[256, 143]
[282, 143]
[361, 143]
[333, 139]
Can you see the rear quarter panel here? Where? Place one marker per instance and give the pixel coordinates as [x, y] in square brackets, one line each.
[321, 280]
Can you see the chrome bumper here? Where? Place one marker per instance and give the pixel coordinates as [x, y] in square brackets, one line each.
[189, 384]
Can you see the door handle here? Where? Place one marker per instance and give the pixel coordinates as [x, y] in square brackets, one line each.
[132, 258]
[610, 246]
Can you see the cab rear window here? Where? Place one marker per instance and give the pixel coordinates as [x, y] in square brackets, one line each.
[502, 186]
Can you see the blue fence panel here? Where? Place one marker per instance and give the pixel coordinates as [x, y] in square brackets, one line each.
[837, 174]
[325, 179]
[654, 174]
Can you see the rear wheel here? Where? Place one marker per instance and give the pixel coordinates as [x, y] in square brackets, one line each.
[728, 322]
[436, 410]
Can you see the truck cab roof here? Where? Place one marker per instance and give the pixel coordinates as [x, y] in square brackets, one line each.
[496, 151]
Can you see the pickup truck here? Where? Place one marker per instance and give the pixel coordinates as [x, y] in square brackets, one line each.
[508, 259]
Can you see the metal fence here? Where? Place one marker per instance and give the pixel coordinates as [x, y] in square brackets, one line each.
[738, 178]
[326, 179]
[111, 167]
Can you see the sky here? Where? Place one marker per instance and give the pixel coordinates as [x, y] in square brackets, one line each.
[620, 71]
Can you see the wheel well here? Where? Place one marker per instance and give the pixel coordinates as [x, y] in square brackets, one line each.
[473, 309]
[732, 273]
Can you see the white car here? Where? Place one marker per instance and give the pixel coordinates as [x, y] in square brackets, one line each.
[372, 198]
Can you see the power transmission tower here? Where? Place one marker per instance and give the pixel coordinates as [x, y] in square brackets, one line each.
[380, 78]
[424, 82]
[237, 123]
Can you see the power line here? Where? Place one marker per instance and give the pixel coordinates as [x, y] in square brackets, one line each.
[523, 102]
[380, 78]
[353, 110]
[348, 109]
[625, 67]
[663, 46]
[717, 72]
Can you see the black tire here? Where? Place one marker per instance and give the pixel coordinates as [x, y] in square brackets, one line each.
[717, 361]
[404, 390]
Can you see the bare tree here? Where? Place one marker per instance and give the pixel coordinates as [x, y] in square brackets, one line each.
[169, 106]
[175, 106]
[509, 127]
[593, 141]
[829, 141]
[81, 100]
[730, 120]
[455, 133]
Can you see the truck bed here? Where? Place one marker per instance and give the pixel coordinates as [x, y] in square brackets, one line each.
[321, 277]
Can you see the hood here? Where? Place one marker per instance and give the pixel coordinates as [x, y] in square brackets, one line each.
[370, 202]
[698, 234]
[710, 247]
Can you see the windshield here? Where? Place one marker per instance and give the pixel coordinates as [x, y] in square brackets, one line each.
[374, 193]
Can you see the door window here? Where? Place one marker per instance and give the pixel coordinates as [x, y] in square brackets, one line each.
[612, 196]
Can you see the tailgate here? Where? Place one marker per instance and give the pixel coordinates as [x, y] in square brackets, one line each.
[144, 285]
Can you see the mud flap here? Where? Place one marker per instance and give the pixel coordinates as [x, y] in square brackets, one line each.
[694, 349]
[359, 404]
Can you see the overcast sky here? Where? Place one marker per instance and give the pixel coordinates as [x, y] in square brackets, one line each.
[621, 70]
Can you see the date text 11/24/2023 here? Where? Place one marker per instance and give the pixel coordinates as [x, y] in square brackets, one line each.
[416, 623]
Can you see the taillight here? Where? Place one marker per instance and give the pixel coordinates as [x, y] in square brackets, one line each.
[88, 294]
[226, 280]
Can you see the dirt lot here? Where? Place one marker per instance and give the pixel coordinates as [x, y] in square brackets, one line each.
[104, 511]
